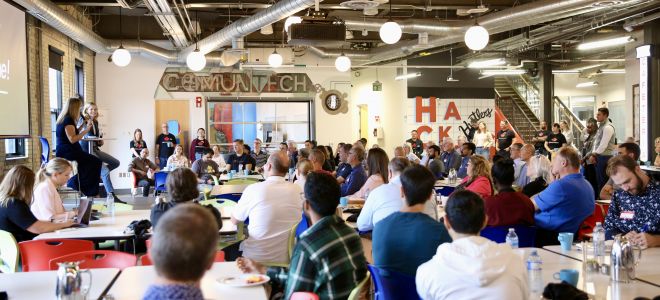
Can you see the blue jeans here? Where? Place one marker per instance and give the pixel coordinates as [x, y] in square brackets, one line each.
[109, 163]
[484, 152]
[162, 162]
[601, 172]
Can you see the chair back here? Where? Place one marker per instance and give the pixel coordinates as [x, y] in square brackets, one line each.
[302, 226]
[160, 178]
[145, 260]
[587, 227]
[357, 291]
[392, 285]
[230, 196]
[36, 254]
[304, 296]
[97, 259]
[8, 253]
[45, 150]
[526, 234]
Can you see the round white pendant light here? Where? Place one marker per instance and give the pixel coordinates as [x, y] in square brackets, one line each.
[291, 20]
[390, 32]
[476, 37]
[343, 63]
[196, 60]
[275, 59]
[121, 57]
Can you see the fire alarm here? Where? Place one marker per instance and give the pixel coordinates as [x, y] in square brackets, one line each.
[198, 101]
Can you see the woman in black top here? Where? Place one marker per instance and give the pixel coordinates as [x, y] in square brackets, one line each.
[555, 140]
[15, 199]
[67, 147]
[137, 144]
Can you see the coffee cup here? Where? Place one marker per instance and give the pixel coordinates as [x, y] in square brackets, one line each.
[343, 201]
[571, 276]
[566, 240]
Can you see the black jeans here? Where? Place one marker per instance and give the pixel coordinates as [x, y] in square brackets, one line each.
[145, 183]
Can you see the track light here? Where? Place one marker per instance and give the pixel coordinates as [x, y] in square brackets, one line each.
[605, 43]
[408, 76]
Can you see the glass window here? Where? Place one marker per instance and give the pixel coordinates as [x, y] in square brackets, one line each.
[15, 148]
[79, 78]
[55, 98]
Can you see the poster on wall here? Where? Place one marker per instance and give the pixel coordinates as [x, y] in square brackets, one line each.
[435, 118]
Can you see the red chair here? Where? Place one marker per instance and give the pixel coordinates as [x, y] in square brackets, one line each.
[145, 260]
[587, 227]
[304, 296]
[97, 259]
[36, 254]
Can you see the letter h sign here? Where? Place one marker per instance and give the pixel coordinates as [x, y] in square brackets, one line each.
[420, 109]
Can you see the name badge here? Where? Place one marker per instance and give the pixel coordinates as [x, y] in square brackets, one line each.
[628, 215]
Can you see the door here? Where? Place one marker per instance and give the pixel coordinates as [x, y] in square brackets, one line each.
[364, 121]
[174, 112]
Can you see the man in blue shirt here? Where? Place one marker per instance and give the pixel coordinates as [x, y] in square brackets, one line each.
[358, 176]
[566, 202]
[344, 169]
[408, 238]
[467, 150]
[450, 157]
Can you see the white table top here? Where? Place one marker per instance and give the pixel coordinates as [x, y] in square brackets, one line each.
[445, 182]
[650, 168]
[41, 285]
[134, 281]
[225, 177]
[228, 189]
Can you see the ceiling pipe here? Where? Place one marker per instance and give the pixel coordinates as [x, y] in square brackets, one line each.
[164, 15]
[628, 25]
[326, 53]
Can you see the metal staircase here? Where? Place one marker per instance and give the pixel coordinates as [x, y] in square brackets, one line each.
[513, 101]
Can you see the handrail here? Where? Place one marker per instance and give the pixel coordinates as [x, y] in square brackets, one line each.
[575, 120]
[525, 98]
[524, 114]
[575, 124]
[529, 85]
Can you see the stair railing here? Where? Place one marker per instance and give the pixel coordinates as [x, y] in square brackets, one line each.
[563, 112]
[527, 91]
[515, 111]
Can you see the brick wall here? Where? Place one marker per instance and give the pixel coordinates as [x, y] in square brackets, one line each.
[39, 37]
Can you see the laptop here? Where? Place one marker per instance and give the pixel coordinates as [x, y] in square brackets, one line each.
[84, 213]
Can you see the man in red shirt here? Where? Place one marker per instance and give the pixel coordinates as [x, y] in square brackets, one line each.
[508, 207]
[317, 158]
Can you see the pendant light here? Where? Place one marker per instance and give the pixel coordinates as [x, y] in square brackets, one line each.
[196, 60]
[476, 37]
[121, 57]
[343, 63]
[390, 32]
[275, 59]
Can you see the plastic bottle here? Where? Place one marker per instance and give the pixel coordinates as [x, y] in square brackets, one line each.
[599, 242]
[512, 238]
[110, 203]
[534, 274]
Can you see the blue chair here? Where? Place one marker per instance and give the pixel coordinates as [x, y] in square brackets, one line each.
[160, 178]
[45, 150]
[444, 190]
[302, 226]
[526, 234]
[390, 285]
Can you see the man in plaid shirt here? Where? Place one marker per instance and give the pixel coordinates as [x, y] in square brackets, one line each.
[328, 258]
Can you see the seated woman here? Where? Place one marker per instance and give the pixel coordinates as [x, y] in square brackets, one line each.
[508, 207]
[46, 203]
[302, 169]
[137, 144]
[67, 137]
[377, 162]
[218, 158]
[198, 145]
[178, 160]
[15, 215]
[478, 178]
[539, 173]
[181, 188]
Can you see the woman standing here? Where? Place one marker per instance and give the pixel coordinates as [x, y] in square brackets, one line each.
[91, 113]
[47, 204]
[483, 139]
[218, 158]
[67, 146]
[567, 132]
[15, 215]
[478, 177]
[177, 160]
[198, 145]
[137, 144]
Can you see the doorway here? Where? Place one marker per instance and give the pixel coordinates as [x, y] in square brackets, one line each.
[174, 112]
[364, 121]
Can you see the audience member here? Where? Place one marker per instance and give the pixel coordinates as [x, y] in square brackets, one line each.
[404, 240]
[415, 143]
[539, 171]
[516, 157]
[165, 143]
[358, 176]
[259, 155]
[317, 158]
[540, 138]
[398, 152]
[565, 129]
[471, 267]
[478, 177]
[567, 201]
[178, 159]
[385, 199]
[336, 157]
[187, 229]
[409, 155]
[604, 146]
[15, 198]
[450, 157]
[273, 206]
[467, 151]
[47, 204]
[218, 157]
[424, 161]
[433, 162]
[303, 154]
[137, 144]
[656, 162]
[507, 207]
[309, 145]
[483, 140]
[504, 139]
[205, 168]
[521, 177]
[292, 151]
[328, 241]
[240, 159]
[283, 147]
[629, 149]
[198, 145]
[329, 160]
[377, 161]
[303, 168]
[459, 143]
[363, 141]
[344, 168]
[140, 167]
[589, 168]
[555, 141]
[634, 207]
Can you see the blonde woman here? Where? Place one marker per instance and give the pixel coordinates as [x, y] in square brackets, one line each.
[539, 173]
[483, 139]
[218, 158]
[67, 147]
[478, 177]
[177, 160]
[15, 215]
[137, 144]
[567, 132]
[46, 203]
[302, 169]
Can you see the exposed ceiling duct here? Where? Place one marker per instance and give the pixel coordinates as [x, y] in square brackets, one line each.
[628, 25]
[166, 18]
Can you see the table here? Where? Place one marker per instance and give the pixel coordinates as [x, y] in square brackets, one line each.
[41, 285]
[90, 143]
[647, 269]
[445, 188]
[134, 281]
[225, 177]
[651, 169]
[228, 189]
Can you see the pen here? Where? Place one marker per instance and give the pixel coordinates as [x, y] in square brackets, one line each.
[645, 228]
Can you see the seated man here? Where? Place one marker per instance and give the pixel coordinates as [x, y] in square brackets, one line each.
[206, 168]
[328, 258]
[344, 169]
[467, 150]
[273, 207]
[566, 202]
[409, 155]
[358, 176]
[182, 231]
[406, 239]
[471, 267]
[317, 158]
[259, 155]
[434, 163]
[526, 153]
[451, 159]
[634, 208]
[629, 149]
[507, 207]
[140, 166]
[240, 158]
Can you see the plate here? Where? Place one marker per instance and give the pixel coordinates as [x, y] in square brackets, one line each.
[243, 280]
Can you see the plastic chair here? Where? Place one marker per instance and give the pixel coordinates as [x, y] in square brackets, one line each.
[36, 254]
[587, 227]
[357, 291]
[392, 285]
[159, 186]
[8, 253]
[304, 296]
[97, 259]
[301, 226]
[526, 234]
[45, 150]
[145, 260]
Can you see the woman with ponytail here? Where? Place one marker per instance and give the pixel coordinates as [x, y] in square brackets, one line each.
[46, 203]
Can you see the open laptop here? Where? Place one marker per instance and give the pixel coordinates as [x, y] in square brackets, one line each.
[84, 213]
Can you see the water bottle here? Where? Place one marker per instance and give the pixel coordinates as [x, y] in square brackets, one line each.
[512, 238]
[599, 242]
[534, 274]
[110, 203]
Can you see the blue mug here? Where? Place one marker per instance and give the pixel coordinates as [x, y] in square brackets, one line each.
[343, 201]
[571, 276]
[230, 175]
[566, 240]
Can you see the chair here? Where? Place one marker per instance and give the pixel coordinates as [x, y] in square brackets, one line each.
[45, 150]
[357, 291]
[587, 227]
[145, 260]
[301, 226]
[8, 253]
[96, 259]
[526, 234]
[159, 186]
[230, 196]
[392, 285]
[36, 254]
[304, 296]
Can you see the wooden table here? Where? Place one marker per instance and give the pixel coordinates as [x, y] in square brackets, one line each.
[134, 281]
[41, 285]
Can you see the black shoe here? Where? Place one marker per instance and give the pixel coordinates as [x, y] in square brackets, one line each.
[117, 200]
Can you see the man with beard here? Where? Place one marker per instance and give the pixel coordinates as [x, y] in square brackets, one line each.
[540, 138]
[434, 163]
[634, 208]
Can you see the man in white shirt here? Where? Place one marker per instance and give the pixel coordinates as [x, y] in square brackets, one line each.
[471, 267]
[604, 146]
[273, 207]
[409, 155]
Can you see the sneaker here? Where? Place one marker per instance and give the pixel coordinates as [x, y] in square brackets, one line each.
[117, 200]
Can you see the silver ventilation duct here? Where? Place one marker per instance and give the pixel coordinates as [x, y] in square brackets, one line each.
[325, 53]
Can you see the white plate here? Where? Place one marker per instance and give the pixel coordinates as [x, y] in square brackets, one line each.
[242, 280]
